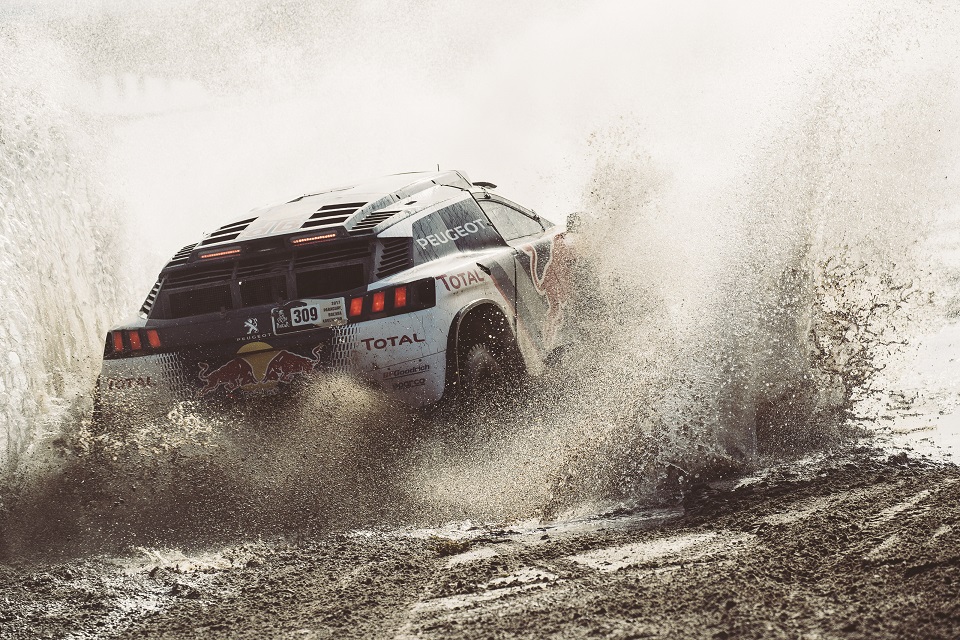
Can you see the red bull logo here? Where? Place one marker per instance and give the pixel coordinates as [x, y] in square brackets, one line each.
[551, 268]
[259, 368]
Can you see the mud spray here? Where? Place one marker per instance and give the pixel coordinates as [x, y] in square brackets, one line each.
[754, 189]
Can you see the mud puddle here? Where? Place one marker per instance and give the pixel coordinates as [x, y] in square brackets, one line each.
[860, 544]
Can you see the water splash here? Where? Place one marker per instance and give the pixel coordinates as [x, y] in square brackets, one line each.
[751, 251]
[61, 245]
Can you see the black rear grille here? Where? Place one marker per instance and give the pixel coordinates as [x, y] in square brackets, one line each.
[332, 214]
[262, 290]
[367, 224]
[227, 232]
[254, 269]
[307, 272]
[321, 282]
[194, 302]
[196, 277]
[151, 299]
[330, 254]
[394, 257]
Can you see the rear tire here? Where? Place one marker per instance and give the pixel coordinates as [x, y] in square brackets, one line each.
[479, 368]
[487, 357]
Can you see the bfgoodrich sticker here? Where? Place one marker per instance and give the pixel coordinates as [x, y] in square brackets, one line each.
[403, 373]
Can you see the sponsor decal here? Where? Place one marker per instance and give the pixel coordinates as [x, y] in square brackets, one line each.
[116, 384]
[409, 384]
[403, 373]
[251, 326]
[449, 235]
[259, 368]
[254, 337]
[392, 341]
[551, 265]
[455, 281]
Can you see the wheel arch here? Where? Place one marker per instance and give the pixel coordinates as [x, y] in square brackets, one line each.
[476, 309]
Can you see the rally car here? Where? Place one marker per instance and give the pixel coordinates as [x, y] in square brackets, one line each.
[423, 284]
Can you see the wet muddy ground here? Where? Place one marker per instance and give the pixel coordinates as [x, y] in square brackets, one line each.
[859, 545]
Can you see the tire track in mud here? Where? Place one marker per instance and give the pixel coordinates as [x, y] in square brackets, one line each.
[854, 545]
[781, 557]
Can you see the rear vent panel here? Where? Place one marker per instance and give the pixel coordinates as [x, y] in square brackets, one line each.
[151, 299]
[395, 256]
[329, 254]
[321, 282]
[196, 277]
[249, 269]
[263, 290]
[304, 272]
[195, 302]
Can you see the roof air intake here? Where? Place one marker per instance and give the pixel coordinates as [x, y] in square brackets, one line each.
[332, 214]
[181, 256]
[367, 224]
[227, 232]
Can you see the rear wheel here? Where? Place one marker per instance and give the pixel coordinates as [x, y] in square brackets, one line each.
[479, 368]
[487, 356]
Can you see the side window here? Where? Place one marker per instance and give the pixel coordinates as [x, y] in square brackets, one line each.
[511, 224]
[461, 226]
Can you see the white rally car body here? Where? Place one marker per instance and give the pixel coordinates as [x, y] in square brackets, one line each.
[392, 280]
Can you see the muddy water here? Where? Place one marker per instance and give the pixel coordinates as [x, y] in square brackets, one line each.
[769, 213]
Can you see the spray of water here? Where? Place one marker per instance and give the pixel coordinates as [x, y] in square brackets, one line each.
[759, 316]
[61, 244]
[744, 275]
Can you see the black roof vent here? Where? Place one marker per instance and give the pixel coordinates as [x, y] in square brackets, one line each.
[367, 224]
[395, 256]
[227, 232]
[181, 256]
[332, 214]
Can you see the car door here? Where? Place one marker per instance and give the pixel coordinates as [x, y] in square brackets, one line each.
[542, 273]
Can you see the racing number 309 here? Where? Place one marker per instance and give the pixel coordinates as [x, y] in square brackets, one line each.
[304, 315]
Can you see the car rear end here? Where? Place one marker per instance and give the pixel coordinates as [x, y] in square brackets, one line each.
[254, 317]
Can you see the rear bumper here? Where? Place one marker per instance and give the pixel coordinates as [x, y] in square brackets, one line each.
[403, 355]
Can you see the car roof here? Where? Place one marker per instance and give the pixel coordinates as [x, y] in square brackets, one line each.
[352, 206]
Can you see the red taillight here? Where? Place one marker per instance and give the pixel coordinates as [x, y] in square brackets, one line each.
[117, 341]
[390, 301]
[153, 338]
[356, 307]
[134, 338]
[379, 298]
